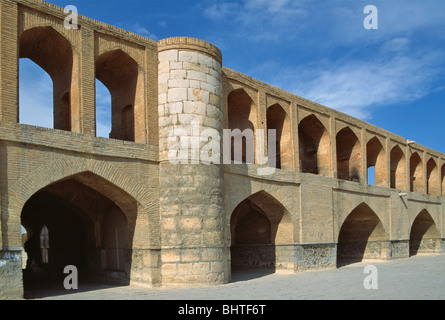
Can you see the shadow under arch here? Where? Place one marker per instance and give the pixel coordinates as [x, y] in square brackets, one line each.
[314, 146]
[242, 115]
[91, 225]
[257, 225]
[349, 158]
[417, 173]
[376, 158]
[397, 168]
[362, 236]
[278, 119]
[424, 235]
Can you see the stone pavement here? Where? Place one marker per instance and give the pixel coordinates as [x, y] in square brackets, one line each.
[419, 277]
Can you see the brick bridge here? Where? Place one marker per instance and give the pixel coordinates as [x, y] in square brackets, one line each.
[120, 211]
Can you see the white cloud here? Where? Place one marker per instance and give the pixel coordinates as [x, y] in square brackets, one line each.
[142, 30]
[281, 7]
[357, 87]
[221, 10]
[258, 20]
[398, 44]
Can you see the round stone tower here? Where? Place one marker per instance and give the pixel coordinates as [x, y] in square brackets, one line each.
[191, 174]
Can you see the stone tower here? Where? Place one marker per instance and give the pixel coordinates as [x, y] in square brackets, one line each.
[191, 192]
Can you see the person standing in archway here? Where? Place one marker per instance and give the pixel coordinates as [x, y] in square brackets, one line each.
[32, 249]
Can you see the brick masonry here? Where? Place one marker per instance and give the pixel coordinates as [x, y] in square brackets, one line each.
[190, 224]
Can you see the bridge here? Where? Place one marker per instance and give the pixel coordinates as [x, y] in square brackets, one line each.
[119, 210]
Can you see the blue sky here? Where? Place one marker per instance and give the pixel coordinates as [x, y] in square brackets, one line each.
[392, 77]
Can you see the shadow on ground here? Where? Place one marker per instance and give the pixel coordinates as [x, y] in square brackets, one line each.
[245, 274]
[41, 286]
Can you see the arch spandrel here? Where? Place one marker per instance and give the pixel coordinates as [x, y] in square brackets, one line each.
[59, 170]
[340, 125]
[303, 113]
[273, 209]
[354, 203]
[106, 44]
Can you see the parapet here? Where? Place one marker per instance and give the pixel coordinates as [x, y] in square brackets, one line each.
[192, 44]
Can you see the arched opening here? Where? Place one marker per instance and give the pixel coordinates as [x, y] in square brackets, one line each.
[314, 146]
[424, 236]
[376, 158]
[398, 177]
[103, 107]
[257, 225]
[242, 116]
[53, 53]
[44, 244]
[416, 174]
[35, 95]
[362, 236]
[277, 119]
[432, 175]
[119, 73]
[349, 157]
[84, 221]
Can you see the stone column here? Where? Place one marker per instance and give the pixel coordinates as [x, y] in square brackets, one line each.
[191, 192]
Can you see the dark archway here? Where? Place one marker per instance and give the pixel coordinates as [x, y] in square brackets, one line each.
[257, 225]
[278, 120]
[242, 116]
[349, 157]
[416, 174]
[376, 158]
[432, 175]
[314, 146]
[361, 236]
[424, 235]
[398, 178]
[90, 225]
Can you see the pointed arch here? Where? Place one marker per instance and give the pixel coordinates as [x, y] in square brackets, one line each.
[314, 146]
[242, 115]
[417, 174]
[424, 235]
[92, 223]
[361, 236]
[376, 157]
[257, 225]
[397, 162]
[54, 54]
[349, 157]
[432, 176]
[278, 119]
[44, 243]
